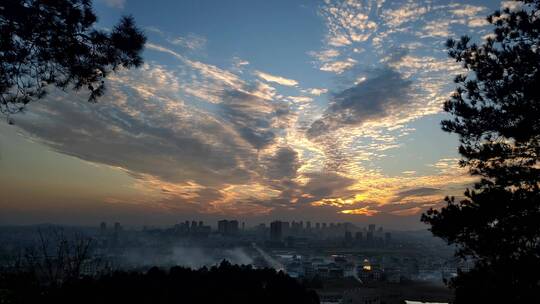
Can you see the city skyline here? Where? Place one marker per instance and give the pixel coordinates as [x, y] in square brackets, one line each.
[322, 110]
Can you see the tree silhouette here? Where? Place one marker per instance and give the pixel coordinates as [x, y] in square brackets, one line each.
[53, 42]
[224, 283]
[496, 113]
[59, 257]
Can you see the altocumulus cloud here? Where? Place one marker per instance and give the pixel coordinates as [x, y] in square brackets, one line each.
[256, 119]
[375, 98]
[142, 133]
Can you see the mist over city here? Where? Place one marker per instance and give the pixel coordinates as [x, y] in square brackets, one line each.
[289, 151]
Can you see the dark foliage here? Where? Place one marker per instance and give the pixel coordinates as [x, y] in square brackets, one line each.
[225, 283]
[53, 42]
[496, 113]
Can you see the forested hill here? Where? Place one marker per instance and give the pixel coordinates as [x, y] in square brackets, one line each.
[225, 283]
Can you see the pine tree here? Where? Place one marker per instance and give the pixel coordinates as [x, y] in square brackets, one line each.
[495, 111]
[54, 42]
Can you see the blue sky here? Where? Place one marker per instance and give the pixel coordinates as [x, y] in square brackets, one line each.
[321, 110]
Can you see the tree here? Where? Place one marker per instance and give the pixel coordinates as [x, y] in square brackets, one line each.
[223, 283]
[53, 42]
[496, 113]
[59, 257]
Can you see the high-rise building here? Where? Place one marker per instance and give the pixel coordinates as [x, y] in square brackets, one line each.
[228, 228]
[358, 236]
[276, 231]
[222, 227]
[103, 228]
[348, 236]
[233, 227]
[369, 236]
[117, 227]
[318, 226]
[261, 229]
[388, 237]
[308, 225]
[371, 228]
[285, 228]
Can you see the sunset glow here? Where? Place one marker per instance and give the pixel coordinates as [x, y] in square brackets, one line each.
[325, 110]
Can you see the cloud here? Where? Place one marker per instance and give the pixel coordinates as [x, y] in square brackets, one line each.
[215, 73]
[512, 5]
[207, 71]
[409, 172]
[160, 48]
[222, 140]
[326, 184]
[283, 164]
[348, 22]
[191, 41]
[475, 15]
[478, 22]
[238, 64]
[371, 99]
[300, 99]
[422, 191]
[360, 211]
[338, 67]
[436, 28]
[407, 212]
[316, 91]
[142, 131]
[256, 119]
[276, 79]
[467, 10]
[449, 166]
[325, 55]
[409, 12]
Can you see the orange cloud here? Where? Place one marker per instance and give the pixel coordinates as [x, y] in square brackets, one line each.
[360, 211]
[407, 212]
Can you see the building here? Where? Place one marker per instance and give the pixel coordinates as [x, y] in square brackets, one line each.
[233, 227]
[285, 228]
[388, 237]
[369, 236]
[228, 228]
[276, 231]
[103, 228]
[222, 227]
[117, 228]
[348, 237]
[368, 272]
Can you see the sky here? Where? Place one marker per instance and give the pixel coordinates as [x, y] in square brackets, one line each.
[253, 110]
